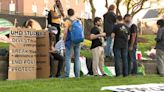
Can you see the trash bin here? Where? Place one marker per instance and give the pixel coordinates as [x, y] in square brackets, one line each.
[3, 64]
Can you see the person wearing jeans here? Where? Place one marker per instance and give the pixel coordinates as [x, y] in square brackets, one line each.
[132, 45]
[132, 62]
[109, 46]
[120, 54]
[121, 35]
[109, 21]
[70, 46]
[76, 49]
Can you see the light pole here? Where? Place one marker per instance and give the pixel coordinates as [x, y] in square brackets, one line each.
[34, 8]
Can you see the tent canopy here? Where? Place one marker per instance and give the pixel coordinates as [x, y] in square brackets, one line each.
[5, 26]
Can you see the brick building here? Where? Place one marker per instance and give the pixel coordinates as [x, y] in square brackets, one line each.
[25, 6]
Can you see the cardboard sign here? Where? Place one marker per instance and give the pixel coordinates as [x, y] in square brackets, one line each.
[22, 72]
[43, 63]
[22, 54]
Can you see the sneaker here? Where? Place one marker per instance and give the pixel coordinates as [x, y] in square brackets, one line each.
[95, 75]
[104, 75]
[51, 77]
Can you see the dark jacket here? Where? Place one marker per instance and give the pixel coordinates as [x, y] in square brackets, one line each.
[160, 39]
[109, 21]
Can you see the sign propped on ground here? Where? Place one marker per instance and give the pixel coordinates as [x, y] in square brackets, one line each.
[136, 88]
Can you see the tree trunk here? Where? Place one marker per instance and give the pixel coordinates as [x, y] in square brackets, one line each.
[117, 9]
[106, 4]
[128, 6]
[93, 10]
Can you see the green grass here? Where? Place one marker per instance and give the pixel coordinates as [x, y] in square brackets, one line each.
[86, 53]
[148, 45]
[4, 45]
[84, 84]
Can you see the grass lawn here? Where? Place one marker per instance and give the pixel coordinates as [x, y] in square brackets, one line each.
[4, 45]
[145, 46]
[84, 84]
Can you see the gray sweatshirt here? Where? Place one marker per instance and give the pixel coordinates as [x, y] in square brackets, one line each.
[160, 39]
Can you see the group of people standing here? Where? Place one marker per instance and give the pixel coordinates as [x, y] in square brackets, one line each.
[61, 47]
[121, 43]
[120, 35]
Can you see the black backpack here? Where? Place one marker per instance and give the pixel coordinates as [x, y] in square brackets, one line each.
[49, 18]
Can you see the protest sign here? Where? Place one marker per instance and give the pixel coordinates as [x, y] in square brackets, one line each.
[22, 55]
[43, 63]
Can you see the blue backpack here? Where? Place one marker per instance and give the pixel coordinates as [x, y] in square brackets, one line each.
[77, 32]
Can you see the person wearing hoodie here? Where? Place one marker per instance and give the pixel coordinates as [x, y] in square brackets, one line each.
[160, 47]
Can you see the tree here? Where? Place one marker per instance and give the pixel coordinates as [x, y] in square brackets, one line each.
[93, 9]
[132, 6]
[106, 4]
[118, 12]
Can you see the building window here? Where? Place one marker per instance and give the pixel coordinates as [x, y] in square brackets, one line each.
[77, 2]
[67, 4]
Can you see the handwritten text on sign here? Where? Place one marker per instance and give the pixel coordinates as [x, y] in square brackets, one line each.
[22, 54]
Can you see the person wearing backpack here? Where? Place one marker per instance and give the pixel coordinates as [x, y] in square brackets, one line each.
[97, 48]
[121, 35]
[73, 35]
[132, 45]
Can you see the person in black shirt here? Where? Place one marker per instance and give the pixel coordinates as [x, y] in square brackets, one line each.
[132, 45]
[96, 47]
[121, 35]
[109, 22]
